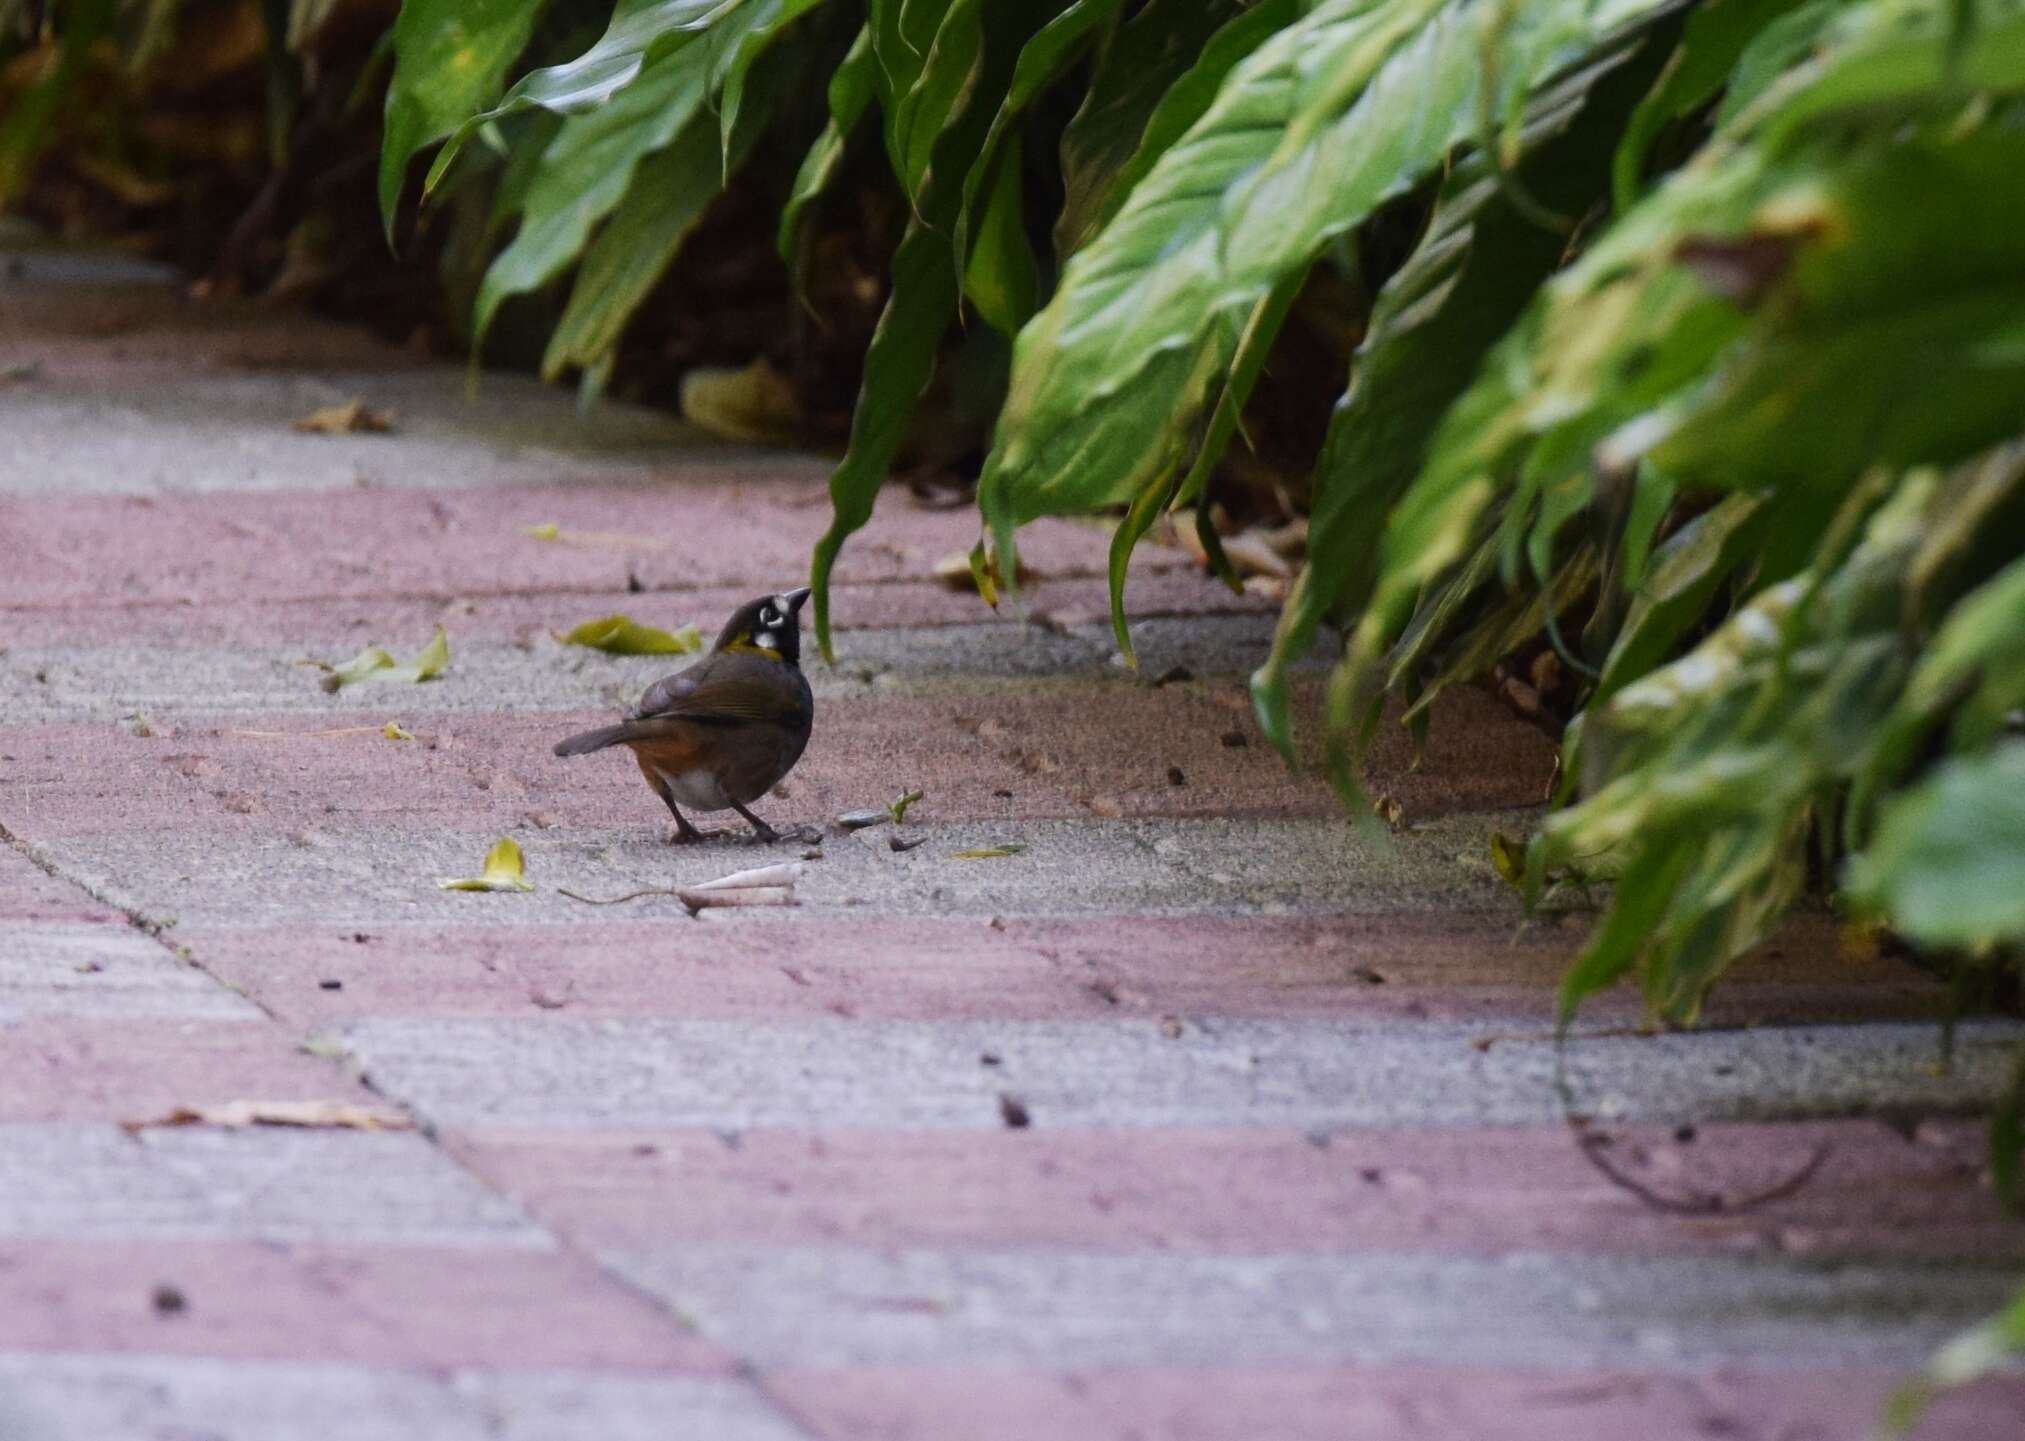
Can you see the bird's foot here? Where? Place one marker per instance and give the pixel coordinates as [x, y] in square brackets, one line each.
[686, 836]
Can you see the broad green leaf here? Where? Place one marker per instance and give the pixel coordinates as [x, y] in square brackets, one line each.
[1434, 320]
[504, 871]
[1002, 277]
[1344, 108]
[379, 666]
[852, 85]
[587, 170]
[764, 23]
[1096, 187]
[1717, 35]
[622, 635]
[669, 194]
[450, 60]
[1947, 864]
[901, 358]
[1254, 347]
[1058, 45]
[640, 31]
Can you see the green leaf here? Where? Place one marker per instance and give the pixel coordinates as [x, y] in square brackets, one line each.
[640, 31]
[450, 59]
[622, 635]
[1717, 35]
[26, 125]
[379, 666]
[1002, 277]
[852, 86]
[1097, 182]
[1947, 864]
[1344, 108]
[504, 871]
[764, 21]
[669, 194]
[1433, 322]
[900, 361]
[588, 169]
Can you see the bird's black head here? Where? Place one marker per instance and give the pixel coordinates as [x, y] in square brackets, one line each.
[767, 626]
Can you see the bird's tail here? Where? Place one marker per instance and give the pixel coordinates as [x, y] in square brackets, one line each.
[597, 740]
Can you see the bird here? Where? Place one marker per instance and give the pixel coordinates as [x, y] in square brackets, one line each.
[722, 733]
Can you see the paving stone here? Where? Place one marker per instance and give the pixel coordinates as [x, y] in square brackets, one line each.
[96, 970]
[62, 1067]
[414, 1306]
[1370, 1403]
[348, 874]
[560, 1071]
[95, 1398]
[1866, 1189]
[1055, 1309]
[82, 1181]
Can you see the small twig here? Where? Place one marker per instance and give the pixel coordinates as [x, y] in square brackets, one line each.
[615, 900]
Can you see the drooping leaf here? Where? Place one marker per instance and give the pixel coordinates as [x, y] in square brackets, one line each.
[1948, 861]
[900, 361]
[504, 871]
[1343, 108]
[588, 169]
[450, 60]
[1095, 178]
[1466, 282]
[378, 665]
[622, 635]
[852, 86]
[639, 31]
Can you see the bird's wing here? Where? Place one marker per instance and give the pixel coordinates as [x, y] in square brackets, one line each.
[718, 693]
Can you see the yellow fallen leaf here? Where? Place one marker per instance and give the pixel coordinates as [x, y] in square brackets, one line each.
[376, 664]
[350, 418]
[503, 871]
[1508, 857]
[591, 539]
[395, 731]
[988, 853]
[319, 1115]
[622, 635]
[756, 404]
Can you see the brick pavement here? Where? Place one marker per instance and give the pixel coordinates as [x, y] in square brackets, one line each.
[1292, 1166]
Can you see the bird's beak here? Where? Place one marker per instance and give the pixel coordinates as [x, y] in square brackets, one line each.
[793, 599]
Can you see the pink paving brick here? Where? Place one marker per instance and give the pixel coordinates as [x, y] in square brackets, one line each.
[254, 625]
[730, 524]
[1371, 1404]
[52, 1069]
[1012, 752]
[1455, 966]
[474, 1306]
[1876, 1192]
[29, 893]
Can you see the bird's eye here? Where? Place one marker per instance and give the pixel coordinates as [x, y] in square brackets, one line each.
[769, 617]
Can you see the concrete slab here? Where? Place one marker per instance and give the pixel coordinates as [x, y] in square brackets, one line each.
[96, 1398]
[1054, 1310]
[1368, 1403]
[95, 971]
[96, 1182]
[355, 874]
[846, 1075]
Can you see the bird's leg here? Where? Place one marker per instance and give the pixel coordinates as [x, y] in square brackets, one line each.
[685, 833]
[765, 834]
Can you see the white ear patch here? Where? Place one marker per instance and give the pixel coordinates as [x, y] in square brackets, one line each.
[767, 640]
